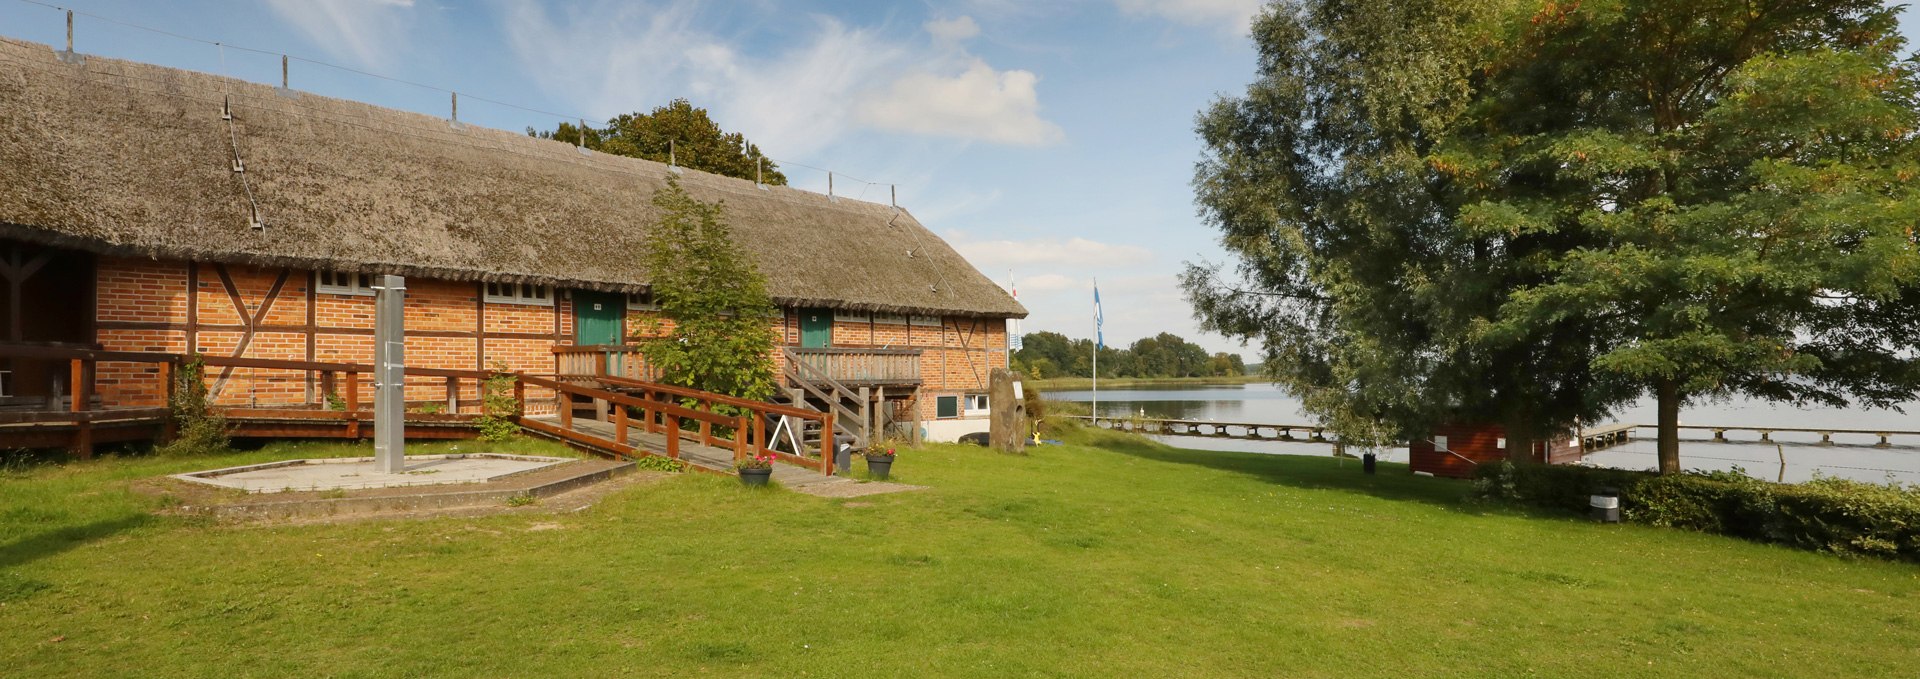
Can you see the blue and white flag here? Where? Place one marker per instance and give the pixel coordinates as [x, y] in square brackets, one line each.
[1099, 319]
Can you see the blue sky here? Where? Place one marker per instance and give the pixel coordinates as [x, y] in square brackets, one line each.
[1050, 138]
[1054, 139]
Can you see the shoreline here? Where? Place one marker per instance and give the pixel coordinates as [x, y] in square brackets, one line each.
[1083, 383]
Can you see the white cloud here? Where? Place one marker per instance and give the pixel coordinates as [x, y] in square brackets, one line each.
[1234, 15]
[1048, 254]
[979, 103]
[794, 99]
[364, 31]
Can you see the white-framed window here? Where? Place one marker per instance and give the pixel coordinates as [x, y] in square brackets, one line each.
[343, 283]
[641, 301]
[844, 316]
[926, 320]
[975, 405]
[1440, 443]
[519, 293]
[890, 319]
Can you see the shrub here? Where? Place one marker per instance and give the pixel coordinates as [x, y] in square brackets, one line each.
[198, 428]
[1826, 514]
[498, 407]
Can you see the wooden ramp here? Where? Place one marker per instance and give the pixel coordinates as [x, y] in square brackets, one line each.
[604, 437]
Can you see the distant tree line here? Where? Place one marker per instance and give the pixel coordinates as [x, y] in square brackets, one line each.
[1051, 354]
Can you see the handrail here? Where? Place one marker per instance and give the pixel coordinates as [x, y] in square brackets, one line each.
[770, 408]
[880, 351]
[760, 439]
[822, 376]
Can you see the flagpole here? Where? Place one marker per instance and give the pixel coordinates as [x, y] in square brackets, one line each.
[1096, 352]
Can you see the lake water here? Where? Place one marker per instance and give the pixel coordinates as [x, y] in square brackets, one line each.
[1853, 456]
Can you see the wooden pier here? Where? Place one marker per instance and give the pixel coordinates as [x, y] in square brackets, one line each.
[1591, 438]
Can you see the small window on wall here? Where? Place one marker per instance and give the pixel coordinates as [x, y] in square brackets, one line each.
[641, 301]
[852, 316]
[976, 405]
[927, 320]
[890, 319]
[343, 283]
[519, 293]
[1440, 443]
[946, 406]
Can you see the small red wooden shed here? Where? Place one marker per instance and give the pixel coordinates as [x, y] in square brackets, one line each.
[1454, 450]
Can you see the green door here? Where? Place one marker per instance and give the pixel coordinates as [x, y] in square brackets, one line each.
[816, 328]
[596, 317]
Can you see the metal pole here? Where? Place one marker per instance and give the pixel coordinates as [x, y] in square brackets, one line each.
[389, 375]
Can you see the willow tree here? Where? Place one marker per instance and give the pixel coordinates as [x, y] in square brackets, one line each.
[1733, 180]
[715, 297]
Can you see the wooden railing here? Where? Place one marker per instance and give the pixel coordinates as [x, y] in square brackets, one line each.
[677, 414]
[333, 410]
[618, 360]
[759, 412]
[860, 367]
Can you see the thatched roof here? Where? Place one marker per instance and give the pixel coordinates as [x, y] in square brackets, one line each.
[128, 158]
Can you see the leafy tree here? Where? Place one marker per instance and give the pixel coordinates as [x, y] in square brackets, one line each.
[1732, 183]
[678, 131]
[1351, 274]
[716, 298]
[1541, 211]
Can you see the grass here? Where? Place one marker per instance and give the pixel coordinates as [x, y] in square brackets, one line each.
[1112, 556]
[1081, 383]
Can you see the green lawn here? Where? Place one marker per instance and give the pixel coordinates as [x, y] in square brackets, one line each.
[1125, 559]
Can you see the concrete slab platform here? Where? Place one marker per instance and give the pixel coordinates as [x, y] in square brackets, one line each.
[353, 473]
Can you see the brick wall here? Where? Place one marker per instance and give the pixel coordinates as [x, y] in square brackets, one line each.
[263, 312]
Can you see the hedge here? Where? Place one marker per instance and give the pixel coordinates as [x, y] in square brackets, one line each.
[1826, 514]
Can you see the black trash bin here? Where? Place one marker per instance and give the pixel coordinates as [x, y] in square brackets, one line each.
[1368, 461]
[842, 455]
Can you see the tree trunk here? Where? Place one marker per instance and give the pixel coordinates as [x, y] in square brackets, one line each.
[1519, 430]
[1667, 393]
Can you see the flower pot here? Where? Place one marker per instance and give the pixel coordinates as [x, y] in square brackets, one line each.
[755, 477]
[879, 466]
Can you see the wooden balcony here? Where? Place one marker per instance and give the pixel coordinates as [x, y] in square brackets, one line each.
[860, 367]
[856, 367]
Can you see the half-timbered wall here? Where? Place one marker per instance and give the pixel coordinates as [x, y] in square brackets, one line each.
[277, 313]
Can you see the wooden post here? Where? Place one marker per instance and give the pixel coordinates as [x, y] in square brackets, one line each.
[620, 424]
[77, 386]
[519, 397]
[566, 408]
[760, 433]
[913, 417]
[863, 434]
[673, 444]
[740, 438]
[706, 433]
[826, 444]
[327, 387]
[1007, 414]
[353, 404]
